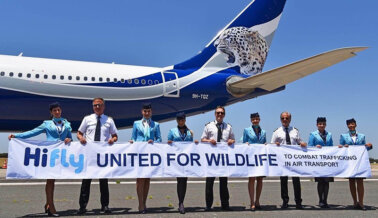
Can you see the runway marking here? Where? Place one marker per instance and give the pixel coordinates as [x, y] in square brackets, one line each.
[157, 182]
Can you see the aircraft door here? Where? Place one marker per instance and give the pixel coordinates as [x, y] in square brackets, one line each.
[171, 86]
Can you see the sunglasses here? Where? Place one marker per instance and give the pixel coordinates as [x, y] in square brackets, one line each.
[98, 105]
[221, 113]
[285, 118]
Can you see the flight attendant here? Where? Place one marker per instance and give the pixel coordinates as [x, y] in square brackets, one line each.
[321, 138]
[215, 132]
[352, 137]
[56, 129]
[255, 135]
[145, 130]
[179, 134]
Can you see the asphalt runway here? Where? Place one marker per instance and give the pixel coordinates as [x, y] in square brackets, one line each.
[26, 198]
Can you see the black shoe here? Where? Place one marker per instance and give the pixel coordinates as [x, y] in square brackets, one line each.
[284, 205]
[363, 208]
[258, 207]
[207, 209]
[357, 207]
[252, 209]
[105, 209]
[299, 206]
[52, 214]
[143, 211]
[81, 211]
[181, 208]
[227, 208]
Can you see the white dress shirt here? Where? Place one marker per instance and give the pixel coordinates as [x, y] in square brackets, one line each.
[279, 135]
[211, 131]
[88, 127]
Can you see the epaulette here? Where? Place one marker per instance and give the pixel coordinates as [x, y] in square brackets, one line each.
[229, 124]
[295, 129]
[276, 129]
[207, 123]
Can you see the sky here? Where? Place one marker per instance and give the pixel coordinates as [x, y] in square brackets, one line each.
[165, 32]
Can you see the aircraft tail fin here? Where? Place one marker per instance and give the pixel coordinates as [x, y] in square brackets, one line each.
[244, 43]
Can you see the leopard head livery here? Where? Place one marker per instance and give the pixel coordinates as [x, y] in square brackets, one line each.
[244, 48]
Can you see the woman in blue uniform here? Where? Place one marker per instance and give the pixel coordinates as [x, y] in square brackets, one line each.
[319, 139]
[56, 129]
[145, 130]
[354, 138]
[255, 135]
[181, 133]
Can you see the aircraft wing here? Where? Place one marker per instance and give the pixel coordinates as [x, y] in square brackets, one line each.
[281, 76]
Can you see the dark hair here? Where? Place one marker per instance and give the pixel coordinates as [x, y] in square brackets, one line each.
[351, 121]
[146, 105]
[255, 115]
[224, 110]
[321, 120]
[180, 116]
[53, 105]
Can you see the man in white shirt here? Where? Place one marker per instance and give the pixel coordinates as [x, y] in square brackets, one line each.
[96, 127]
[288, 135]
[218, 131]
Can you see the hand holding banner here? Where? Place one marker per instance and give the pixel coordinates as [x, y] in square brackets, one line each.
[29, 159]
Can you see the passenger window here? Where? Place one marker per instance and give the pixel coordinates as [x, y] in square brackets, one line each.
[45, 76]
[107, 79]
[62, 77]
[129, 81]
[156, 81]
[143, 82]
[136, 81]
[19, 74]
[93, 79]
[69, 77]
[115, 80]
[149, 82]
[37, 75]
[78, 78]
[53, 77]
[11, 74]
[122, 80]
[28, 75]
[2, 73]
[100, 79]
[85, 78]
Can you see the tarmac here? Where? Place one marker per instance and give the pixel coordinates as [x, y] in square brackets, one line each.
[25, 198]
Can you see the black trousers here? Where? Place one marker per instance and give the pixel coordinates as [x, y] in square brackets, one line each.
[85, 191]
[297, 189]
[323, 188]
[181, 188]
[223, 191]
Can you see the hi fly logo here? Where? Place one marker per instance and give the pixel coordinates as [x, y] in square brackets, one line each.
[42, 158]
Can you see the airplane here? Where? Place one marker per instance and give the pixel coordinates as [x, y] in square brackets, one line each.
[228, 70]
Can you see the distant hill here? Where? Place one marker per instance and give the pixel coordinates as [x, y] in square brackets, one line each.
[4, 155]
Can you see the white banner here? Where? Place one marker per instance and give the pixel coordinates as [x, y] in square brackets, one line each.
[29, 159]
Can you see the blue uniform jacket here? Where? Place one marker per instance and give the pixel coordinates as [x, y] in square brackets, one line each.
[138, 132]
[174, 135]
[250, 136]
[316, 139]
[345, 139]
[48, 127]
